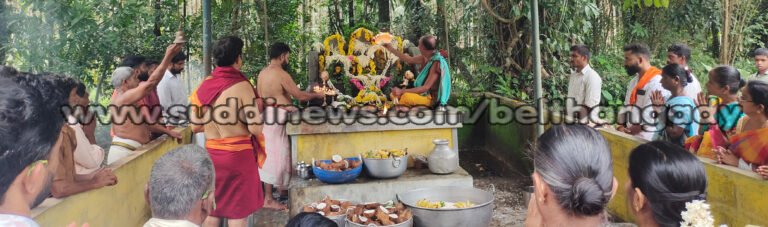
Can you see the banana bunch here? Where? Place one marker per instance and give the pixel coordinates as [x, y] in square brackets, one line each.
[384, 153]
[426, 204]
[464, 204]
[441, 204]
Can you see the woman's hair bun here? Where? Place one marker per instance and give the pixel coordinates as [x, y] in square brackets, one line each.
[587, 197]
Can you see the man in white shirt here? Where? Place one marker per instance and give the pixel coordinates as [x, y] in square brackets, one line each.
[584, 86]
[173, 94]
[761, 62]
[636, 117]
[680, 54]
[181, 188]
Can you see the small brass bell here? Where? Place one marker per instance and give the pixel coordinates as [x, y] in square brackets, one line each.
[180, 37]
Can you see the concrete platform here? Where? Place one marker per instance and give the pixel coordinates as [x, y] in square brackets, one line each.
[364, 189]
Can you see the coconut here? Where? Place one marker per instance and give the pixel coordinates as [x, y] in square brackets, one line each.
[336, 158]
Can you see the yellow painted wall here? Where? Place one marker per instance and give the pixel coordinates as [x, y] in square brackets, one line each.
[323, 146]
[737, 197]
[119, 205]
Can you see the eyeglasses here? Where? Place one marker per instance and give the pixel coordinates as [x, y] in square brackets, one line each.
[213, 200]
[29, 171]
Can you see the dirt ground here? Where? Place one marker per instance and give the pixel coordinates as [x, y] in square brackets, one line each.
[506, 184]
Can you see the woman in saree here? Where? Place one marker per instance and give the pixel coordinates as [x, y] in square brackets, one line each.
[748, 147]
[724, 83]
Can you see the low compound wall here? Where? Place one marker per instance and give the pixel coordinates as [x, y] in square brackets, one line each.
[119, 205]
[737, 196]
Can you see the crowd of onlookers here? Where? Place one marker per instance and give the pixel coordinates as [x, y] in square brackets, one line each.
[45, 151]
[727, 123]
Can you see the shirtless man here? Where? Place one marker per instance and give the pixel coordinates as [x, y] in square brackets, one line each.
[428, 92]
[229, 136]
[275, 83]
[130, 130]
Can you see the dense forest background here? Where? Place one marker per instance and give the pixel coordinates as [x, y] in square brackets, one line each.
[488, 41]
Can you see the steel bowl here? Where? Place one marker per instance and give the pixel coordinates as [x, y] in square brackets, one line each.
[479, 215]
[386, 168]
[339, 219]
[407, 223]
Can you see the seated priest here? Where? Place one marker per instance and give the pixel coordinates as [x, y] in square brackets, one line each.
[433, 84]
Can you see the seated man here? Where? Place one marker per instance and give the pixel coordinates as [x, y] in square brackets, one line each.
[30, 123]
[181, 188]
[73, 141]
[131, 130]
[433, 84]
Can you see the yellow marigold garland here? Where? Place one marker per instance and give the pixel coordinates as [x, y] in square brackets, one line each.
[340, 42]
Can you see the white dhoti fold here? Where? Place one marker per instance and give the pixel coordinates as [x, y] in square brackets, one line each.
[277, 166]
[120, 148]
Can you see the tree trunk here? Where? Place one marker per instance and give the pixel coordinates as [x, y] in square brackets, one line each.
[726, 32]
[443, 23]
[351, 13]
[236, 17]
[384, 15]
[365, 11]
[157, 18]
[4, 34]
[265, 22]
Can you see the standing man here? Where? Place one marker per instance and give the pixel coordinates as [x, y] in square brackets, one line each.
[154, 111]
[680, 54]
[584, 85]
[130, 128]
[761, 62]
[30, 123]
[274, 82]
[636, 117]
[172, 93]
[231, 140]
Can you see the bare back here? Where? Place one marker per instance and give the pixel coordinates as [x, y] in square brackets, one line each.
[273, 82]
[232, 100]
[129, 124]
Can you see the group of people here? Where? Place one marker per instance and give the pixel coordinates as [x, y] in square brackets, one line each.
[668, 104]
[573, 181]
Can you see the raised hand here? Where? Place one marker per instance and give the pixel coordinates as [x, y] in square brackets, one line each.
[172, 50]
[706, 111]
[657, 99]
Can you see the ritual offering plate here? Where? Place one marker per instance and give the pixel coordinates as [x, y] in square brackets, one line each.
[380, 214]
[385, 163]
[337, 170]
[449, 206]
[335, 210]
[383, 38]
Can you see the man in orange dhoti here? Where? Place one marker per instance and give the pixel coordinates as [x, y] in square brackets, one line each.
[228, 113]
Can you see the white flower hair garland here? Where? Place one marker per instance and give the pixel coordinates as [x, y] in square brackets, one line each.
[697, 214]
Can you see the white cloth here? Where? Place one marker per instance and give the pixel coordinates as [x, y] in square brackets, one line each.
[758, 76]
[585, 88]
[643, 102]
[171, 91]
[277, 167]
[116, 152]
[12, 220]
[693, 88]
[88, 157]
[156, 222]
